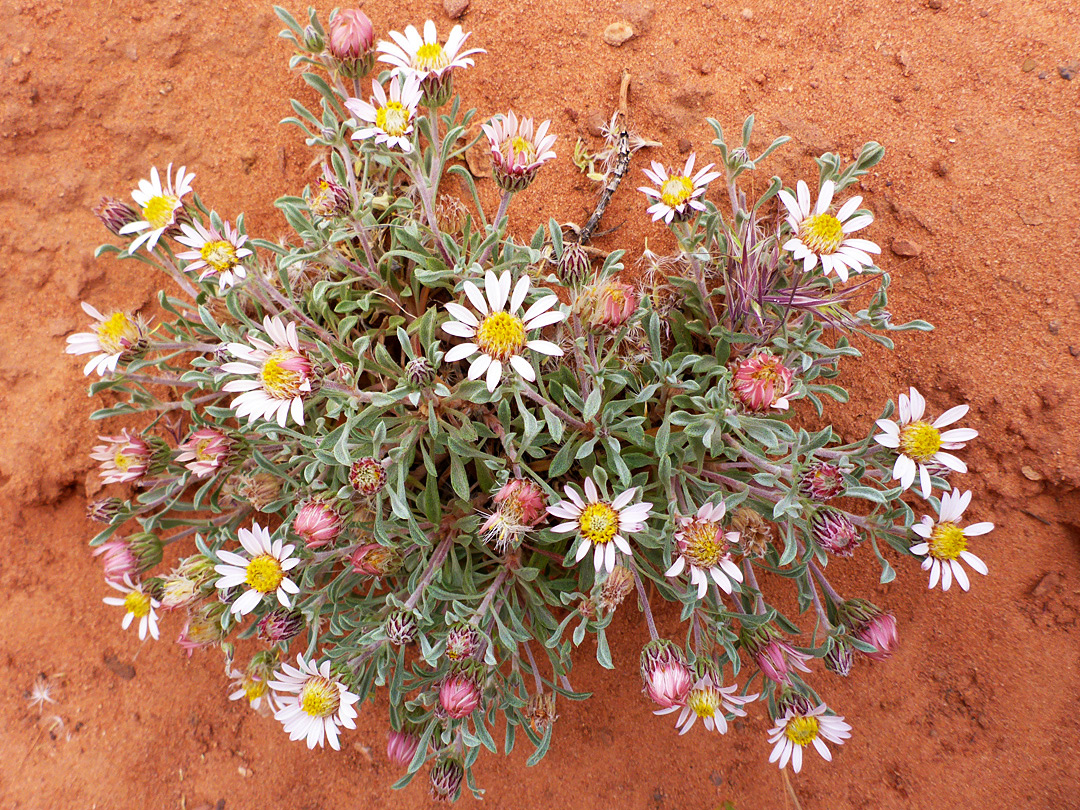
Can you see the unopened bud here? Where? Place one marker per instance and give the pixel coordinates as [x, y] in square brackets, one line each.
[115, 214]
[375, 560]
[462, 642]
[446, 778]
[839, 658]
[420, 372]
[573, 267]
[835, 532]
[400, 628]
[401, 746]
[103, 510]
[665, 676]
[280, 625]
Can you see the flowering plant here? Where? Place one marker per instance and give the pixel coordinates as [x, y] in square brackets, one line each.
[409, 453]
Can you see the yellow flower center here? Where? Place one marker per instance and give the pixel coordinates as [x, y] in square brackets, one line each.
[277, 381]
[920, 440]
[320, 697]
[159, 211]
[676, 190]
[116, 333]
[518, 147]
[703, 543]
[122, 461]
[501, 335]
[598, 523]
[802, 730]
[393, 119]
[430, 56]
[704, 702]
[200, 450]
[137, 603]
[768, 372]
[253, 689]
[264, 574]
[822, 233]
[220, 255]
[947, 541]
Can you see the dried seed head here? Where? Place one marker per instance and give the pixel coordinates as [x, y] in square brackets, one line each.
[540, 712]
[618, 585]
[755, 534]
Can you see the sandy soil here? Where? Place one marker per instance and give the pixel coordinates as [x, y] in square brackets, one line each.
[979, 708]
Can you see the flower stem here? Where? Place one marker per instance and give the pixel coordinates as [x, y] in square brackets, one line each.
[555, 409]
[644, 602]
[434, 564]
[504, 203]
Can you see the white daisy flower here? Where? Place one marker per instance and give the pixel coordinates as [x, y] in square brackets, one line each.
[282, 375]
[390, 120]
[601, 523]
[797, 729]
[920, 443]
[498, 335]
[138, 605]
[676, 195]
[703, 545]
[216, 254]
[159, 204]
[263, 571]
[113, 337]
[313, 703]
[517, 154]
[711, 703]
[255, 689]
[424, 56]
[946, 542]
[824, 236]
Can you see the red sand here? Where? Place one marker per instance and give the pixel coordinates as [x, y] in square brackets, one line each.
[978, 709]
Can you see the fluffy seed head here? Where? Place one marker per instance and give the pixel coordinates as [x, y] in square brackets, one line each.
[755, 535]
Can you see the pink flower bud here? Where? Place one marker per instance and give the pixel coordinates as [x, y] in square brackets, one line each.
[762, 381]
[666, 677]
[615, 304]
[375, 560]
[776, 658]
[401, 747]
[123, 458]
[881, 632]
[835, 532]
[458, 696]
[871, 625]
[821, 481]
[351, 34]
[318, 522]
[119, 560]
[367, 476]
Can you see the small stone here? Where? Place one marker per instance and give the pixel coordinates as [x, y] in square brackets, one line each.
[1067, 71]
[705, 68]
[906, 248]
[617, 33]
[572, 114]
[716, 778]
[940, 167]
[595, 123]
[747, 13]
[131, 52]
[125, 671]
[455, 8]
[684, 145]
[1042, 74]
[936, 5]
[1054, 327]
[903, 58]
[1049, 582]
[1031, 474]
[1074, 351]
[759, 77]
[245, 771]
[1029, 65]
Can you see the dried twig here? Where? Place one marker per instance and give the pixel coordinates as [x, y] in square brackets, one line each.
[622, 162]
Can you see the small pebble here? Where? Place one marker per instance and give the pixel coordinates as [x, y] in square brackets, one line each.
[595, 123]
[906, 248]
[936, 5]
[747, 14]
[1067, 71]
[1054, 327]
[617, 33]
[684, 145]
[759, 77]
[455, 8]
[940, 167]
[1029, 65]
